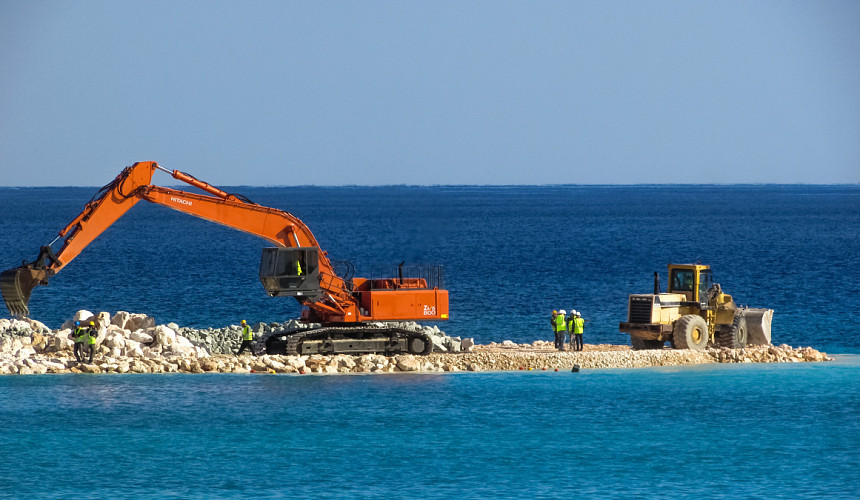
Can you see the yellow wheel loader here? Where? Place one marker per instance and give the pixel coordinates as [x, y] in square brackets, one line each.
[693, 314]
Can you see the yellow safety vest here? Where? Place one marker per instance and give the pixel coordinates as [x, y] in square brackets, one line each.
[79, 335]
[246, 333]
[560, 323]
[91, 336]
[578, 325]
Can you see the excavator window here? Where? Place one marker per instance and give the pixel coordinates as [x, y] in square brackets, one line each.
[291, 271]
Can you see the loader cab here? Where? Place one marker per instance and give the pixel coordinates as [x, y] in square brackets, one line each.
[291, 272]
[691, 280]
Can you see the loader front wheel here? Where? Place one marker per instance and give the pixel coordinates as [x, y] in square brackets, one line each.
[737, 335]
[691, 332]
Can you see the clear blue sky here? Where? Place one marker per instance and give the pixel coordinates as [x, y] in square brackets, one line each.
[431, 92]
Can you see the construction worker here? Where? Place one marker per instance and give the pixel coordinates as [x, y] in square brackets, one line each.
[247, 339]
[90, 337]
[78, 336]
[578, 325]
[560, 329]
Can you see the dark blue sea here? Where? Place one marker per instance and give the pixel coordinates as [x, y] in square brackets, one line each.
[511, 255]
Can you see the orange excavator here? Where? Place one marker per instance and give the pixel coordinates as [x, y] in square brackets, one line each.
[348, 309]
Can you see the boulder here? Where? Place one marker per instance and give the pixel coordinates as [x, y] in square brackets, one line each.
[114, 339]
[133, 349]
[24, 352]
[164, 336]
[467, 345]
[141, 336]
[139, 322]
[61, 341]
[120, 319]
[103, 318]
[82, 316]
[22, 326]
[407, 363]
[38, 326]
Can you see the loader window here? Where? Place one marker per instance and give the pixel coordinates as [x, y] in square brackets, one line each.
[705, 282]
[682, 280]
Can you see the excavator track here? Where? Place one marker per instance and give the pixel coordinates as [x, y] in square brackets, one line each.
[331, 340]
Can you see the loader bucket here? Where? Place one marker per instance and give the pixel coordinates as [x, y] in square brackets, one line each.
[16, 285]
[758, 325]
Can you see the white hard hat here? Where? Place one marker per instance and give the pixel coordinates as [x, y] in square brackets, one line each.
[573, 311]
[562, 312]
[578, 314]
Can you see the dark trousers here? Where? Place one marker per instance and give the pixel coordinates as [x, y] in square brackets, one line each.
[79, 351]
[577, 338]
[249, 344]
[90, 349]
[559, 340]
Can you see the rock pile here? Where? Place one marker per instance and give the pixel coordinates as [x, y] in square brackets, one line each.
[133, 343]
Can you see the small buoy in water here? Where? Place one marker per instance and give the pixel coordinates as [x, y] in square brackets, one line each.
[544, 368]
[530, 368]
[574, 369]
[556, 369]
[302, 372]
[521, 368]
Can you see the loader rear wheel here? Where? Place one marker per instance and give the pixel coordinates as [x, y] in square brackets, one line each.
[642, 344]
[690, 332]
[737, 335]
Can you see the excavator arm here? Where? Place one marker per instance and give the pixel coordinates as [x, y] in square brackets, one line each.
[133, 185]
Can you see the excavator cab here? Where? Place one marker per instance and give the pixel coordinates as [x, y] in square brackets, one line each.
[291, 271]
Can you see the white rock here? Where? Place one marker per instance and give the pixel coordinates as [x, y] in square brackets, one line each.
[54, 366]
[20, 325]
[407, 363]
[104, 318]
[24, 352]
[296, 362]
[62, 341]
[164, 336]
[5, 345]
[114, 339]
[82, 316]
[139, 321]
[141, 336]
[120, 319]
[38, 326]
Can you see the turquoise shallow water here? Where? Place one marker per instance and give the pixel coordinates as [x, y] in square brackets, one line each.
[790, 430]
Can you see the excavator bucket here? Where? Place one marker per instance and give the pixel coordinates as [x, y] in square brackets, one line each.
[16, 286]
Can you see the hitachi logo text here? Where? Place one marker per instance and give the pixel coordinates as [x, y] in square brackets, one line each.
[180, 200]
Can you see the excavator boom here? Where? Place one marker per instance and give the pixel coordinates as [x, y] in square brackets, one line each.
[295, 267]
